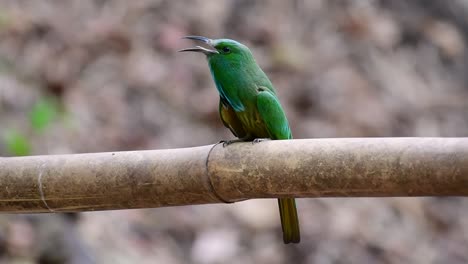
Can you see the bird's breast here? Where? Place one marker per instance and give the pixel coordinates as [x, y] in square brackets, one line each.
[252, 123]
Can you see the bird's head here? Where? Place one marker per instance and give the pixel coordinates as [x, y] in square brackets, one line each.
[220, 49]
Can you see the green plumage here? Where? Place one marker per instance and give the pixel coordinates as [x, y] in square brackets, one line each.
[249, 107]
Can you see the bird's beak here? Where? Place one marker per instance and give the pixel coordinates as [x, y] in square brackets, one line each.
[200, 48]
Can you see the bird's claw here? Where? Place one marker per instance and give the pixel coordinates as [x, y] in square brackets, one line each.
[258, 140]
[228, 142]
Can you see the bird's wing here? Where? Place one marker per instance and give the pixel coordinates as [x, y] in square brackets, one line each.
[272, 114]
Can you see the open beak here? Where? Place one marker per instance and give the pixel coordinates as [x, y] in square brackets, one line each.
[201, 49]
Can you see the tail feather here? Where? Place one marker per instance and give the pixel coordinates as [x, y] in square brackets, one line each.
[289, 220]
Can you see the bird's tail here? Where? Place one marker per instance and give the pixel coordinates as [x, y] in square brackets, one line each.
[289, 220]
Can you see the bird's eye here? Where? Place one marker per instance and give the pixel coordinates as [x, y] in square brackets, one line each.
[226, 50]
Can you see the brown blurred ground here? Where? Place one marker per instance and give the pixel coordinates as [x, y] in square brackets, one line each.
[341, 68]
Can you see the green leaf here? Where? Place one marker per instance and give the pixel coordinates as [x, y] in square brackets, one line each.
[17, 144]
[44, 112]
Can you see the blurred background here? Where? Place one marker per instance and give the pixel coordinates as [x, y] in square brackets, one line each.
[96, 75]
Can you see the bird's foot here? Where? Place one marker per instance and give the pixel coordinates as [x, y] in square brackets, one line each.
[258, 140]
[229, 142]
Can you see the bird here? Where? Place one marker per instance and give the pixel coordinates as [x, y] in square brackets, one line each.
[248, 106]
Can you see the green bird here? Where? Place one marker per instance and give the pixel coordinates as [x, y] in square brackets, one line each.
[248, 106]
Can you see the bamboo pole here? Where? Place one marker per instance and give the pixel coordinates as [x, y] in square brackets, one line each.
[352, 167]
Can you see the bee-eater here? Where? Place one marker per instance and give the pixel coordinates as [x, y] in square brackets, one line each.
[248, 106]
